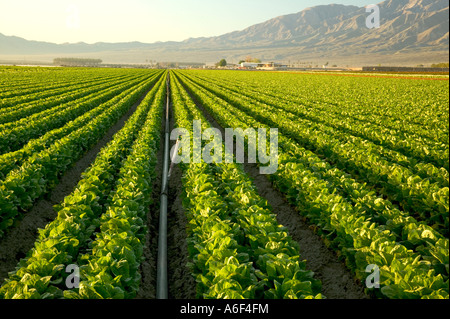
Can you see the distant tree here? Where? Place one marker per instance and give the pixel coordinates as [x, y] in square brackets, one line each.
[76, 62]
[440, 65]
[222, 63]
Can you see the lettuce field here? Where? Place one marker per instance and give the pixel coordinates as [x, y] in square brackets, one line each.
[358, 207]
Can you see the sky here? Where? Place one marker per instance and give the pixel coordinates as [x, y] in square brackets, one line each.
[90, 21]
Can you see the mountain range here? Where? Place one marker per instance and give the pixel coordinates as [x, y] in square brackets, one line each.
[411, 31]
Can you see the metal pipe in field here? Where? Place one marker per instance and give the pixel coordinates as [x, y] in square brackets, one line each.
[162, 290]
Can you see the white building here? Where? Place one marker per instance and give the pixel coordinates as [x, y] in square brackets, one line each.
[249, 65]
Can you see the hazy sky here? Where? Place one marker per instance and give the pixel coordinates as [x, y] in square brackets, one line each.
[141, 20]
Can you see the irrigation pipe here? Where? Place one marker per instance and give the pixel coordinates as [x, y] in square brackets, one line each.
[162, 290]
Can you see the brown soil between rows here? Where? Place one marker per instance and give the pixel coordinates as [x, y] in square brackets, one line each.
[182, 284]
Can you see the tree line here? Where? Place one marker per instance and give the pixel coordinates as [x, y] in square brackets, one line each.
[76, 62]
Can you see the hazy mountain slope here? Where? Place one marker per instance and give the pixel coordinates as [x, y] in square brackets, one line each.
[404, 25]
[332, 30]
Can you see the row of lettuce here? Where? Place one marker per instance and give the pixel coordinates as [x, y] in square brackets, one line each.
[30, 120]
[34, 170]
[35, 133]
[100, 227]
[58, 98]
[426, 156]
[23, 88]
[238, 249]
[364, 228]
[391, 173]
[413, 111]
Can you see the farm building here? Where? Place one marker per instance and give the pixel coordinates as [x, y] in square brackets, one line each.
[263, 66]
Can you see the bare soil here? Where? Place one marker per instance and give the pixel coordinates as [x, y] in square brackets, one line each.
[182, 284]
